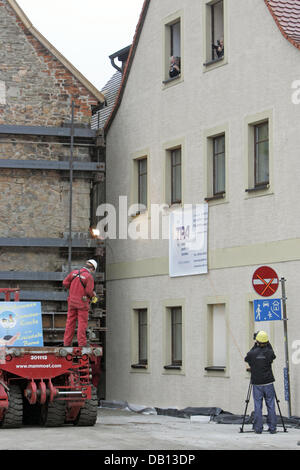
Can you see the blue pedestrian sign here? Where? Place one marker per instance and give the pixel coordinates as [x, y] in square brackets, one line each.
[267, 310]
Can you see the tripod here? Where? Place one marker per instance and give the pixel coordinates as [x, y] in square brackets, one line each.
[247, 403]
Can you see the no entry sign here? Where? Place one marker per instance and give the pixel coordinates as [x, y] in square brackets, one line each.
[265, 281]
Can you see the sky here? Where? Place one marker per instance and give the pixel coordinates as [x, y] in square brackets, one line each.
[86, 32]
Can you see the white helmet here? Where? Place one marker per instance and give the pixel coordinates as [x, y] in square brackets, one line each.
[93, 263]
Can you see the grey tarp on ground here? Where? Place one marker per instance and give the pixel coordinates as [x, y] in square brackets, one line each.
[216, 414]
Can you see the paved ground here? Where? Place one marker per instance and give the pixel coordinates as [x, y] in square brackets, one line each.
[126, 430]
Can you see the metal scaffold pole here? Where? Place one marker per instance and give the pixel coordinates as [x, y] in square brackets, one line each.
[71, 190]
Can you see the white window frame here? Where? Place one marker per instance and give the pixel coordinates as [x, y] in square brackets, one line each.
[209, 136]
[172, 19]
[210, 64]
[211, 368]
[249, 126]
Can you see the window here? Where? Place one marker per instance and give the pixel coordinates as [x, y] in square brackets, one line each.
[173, 187]
[173, 48]
[219, 165]
[175, 176]
[174, 330]
[175, 39]
[261, 154]
[175, 53]
[140, 338]
[139, 190]
[176, 336]
[215, 143]
[215, 32]
[142, 183]
[217, 338]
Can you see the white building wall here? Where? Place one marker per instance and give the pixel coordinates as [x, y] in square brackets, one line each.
[244, 231]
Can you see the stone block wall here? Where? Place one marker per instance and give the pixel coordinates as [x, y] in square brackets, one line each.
[36, 89]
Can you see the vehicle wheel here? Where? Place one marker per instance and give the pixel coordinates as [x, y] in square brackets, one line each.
[54, 414]
[88, 413]
[13, 417]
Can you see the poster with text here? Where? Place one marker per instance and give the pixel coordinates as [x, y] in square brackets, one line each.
[188, 241]
[21, 324]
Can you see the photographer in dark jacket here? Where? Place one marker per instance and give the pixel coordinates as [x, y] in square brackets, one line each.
[260, 359]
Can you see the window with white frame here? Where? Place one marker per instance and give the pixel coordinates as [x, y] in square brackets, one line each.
[258, 156]
[216, 166]
[215, 30]
[174, 333]
[261, 154]
[217, 337]
[140, 340]
[175, 157]
[142, 181]
[139, 185]
[142, 336]
[173, 49]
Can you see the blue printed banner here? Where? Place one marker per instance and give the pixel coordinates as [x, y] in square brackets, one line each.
[21, 324]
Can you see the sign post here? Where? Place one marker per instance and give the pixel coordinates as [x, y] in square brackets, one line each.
[287, 387]
[265, 283]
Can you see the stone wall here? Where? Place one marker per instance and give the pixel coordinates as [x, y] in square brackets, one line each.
[36, 89]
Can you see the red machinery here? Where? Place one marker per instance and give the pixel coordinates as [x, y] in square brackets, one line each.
[49, 386]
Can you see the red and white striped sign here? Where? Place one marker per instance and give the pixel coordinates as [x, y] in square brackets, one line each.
[265, 281]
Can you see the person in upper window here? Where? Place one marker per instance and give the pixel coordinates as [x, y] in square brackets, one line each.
[219, 48]
[174, 67]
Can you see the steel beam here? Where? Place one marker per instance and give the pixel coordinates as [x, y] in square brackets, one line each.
[48, 242]
[83, 132]
[51, 165]
[55, 296]
[38, 276]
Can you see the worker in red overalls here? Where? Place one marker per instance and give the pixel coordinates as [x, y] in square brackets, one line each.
[81, 290]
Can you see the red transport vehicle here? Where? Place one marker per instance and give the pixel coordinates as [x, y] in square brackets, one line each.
[50, 386]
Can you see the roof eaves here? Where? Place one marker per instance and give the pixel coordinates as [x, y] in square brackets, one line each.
[81, 78]
[128, 64]
[294, 42]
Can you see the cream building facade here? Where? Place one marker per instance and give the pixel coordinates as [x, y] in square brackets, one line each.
[224, 132]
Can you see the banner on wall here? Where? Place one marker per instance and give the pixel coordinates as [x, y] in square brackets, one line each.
[21, 324]
[188, 241]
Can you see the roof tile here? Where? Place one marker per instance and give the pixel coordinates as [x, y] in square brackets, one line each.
[286, 14]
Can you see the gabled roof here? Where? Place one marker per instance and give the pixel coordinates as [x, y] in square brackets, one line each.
[81, 78]
[286, 14]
